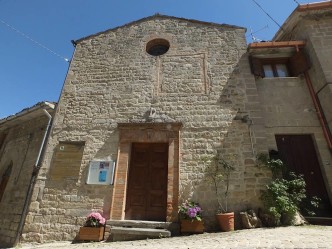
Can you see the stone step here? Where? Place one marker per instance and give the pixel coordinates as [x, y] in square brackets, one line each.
[325, 221]
[134, 233]
[140, 224]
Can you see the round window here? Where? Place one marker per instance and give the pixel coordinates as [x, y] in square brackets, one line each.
[157, 47]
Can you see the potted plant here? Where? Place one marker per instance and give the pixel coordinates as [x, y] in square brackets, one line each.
[218, 173]
[93, 229]
[190, 214]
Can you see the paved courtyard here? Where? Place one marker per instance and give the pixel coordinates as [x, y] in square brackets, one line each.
[282, 237]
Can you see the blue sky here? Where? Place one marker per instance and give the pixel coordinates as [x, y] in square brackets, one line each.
[30, 73]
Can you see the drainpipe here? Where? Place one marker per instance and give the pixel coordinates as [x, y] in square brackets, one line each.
[318, 107]
[38, 161]
[33, 179]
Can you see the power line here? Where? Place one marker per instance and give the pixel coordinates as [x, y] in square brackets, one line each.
[297, 2]
[34, 41]
[267, 14]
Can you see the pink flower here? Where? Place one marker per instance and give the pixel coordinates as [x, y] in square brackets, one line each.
[95, 219]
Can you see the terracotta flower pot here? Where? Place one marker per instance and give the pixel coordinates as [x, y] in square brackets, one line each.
[91, 233]
[226, 221]
[191, 226]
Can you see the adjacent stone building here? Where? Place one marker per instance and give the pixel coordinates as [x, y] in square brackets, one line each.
[146, 105]
[293, 78]
[22, 139]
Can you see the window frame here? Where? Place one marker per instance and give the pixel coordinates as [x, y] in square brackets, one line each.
[273, 62]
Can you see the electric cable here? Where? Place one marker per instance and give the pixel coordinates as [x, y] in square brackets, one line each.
[34, 41]
[268, 14]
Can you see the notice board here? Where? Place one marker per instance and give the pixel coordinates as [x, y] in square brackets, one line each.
[101, 172]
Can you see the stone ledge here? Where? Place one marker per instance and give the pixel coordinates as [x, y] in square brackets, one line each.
[324, 221]
[139, 224]
[126, 233]
[141, 231]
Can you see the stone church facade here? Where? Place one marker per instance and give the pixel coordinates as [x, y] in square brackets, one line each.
[116, 96]
[159, 96]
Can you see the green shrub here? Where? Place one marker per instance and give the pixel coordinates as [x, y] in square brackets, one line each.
[286, 194]
[275, 165]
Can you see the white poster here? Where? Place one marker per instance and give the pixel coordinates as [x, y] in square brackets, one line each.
[101, 172]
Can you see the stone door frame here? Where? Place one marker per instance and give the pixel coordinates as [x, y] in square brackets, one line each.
[146, 133]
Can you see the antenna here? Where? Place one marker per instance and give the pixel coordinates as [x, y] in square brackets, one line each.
[254, 38]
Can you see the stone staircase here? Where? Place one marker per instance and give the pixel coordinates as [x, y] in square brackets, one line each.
[124, 230]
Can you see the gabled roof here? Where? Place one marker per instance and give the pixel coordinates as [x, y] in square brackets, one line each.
[27, 114]
[159, 16]
[301, 11]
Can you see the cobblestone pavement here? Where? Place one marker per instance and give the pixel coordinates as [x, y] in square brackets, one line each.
[282, 237]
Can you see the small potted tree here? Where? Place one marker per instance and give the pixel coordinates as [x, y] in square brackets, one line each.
[218, 173]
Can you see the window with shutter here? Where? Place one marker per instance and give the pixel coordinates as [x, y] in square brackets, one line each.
[277, 67]
[280, 67]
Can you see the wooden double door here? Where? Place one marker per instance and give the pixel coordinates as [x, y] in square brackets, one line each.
[147, 182]
[299, 154]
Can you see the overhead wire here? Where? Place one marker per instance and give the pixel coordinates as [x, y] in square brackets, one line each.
[67, 60]
[267, 14]
[34, 41]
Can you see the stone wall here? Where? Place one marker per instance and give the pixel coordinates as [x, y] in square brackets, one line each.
[203, 82]
[315, 27]
[288, 109]
[319, 36]
[21, 147]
